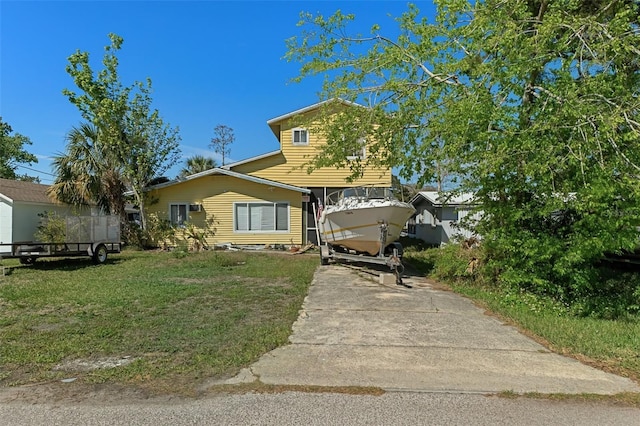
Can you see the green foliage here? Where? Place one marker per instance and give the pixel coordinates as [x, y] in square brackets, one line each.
[89, 173]
[159, 231]
[197, 164]
[533, 106]
[450, 263]
[51, 229]
[607, 292]
[12, 153]
[134, 135]
[181, 250]
[196, 236]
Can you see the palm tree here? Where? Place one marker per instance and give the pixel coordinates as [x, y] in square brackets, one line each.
[87, 173]
[197, 164]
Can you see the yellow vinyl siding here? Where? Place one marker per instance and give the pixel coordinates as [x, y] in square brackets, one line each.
[217, 194]
[286, 166]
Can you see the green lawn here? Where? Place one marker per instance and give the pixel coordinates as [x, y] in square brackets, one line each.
[178, 320]
[183, 320]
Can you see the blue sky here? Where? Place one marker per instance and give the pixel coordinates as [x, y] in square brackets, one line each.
[211, 62]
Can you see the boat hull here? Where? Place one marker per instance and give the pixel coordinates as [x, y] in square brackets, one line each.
[359, 228]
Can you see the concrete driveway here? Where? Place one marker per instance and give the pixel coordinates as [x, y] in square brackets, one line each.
[353, 331]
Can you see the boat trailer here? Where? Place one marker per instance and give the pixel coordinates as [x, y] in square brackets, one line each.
[392, 260]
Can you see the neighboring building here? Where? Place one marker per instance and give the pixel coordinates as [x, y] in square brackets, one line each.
[438, 217]
[20, 204]
[266, 199]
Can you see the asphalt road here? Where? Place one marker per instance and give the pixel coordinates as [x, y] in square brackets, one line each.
[394, 408]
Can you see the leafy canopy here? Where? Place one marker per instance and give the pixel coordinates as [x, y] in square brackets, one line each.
[133, 133]
[12, 153]
[532, 105]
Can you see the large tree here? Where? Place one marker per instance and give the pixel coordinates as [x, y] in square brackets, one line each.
[12, 153]
[143, 146]
[532, 104]
[88, 173]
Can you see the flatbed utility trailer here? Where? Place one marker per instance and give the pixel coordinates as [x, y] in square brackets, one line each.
[93, 236]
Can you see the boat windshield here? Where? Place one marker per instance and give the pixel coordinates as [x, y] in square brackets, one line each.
[361, 193]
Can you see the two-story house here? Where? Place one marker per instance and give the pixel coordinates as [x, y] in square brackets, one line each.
[266, 199]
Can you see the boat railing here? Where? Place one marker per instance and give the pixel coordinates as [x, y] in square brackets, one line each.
[360, 193]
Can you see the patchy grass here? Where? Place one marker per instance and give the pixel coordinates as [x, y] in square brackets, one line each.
[175, 321]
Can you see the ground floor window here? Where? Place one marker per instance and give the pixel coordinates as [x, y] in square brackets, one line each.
[261, 217]
[178, 214]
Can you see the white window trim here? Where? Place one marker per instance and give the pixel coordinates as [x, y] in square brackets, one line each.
[274, 203]
[363, 151]
[186, 209]
[293, 136]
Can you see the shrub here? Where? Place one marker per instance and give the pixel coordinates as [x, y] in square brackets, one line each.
[52, 228]
[451, 262]
[159, 231]
[196, 236]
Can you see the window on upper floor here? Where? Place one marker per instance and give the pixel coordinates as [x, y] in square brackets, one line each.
[300, 136]
[360, 152]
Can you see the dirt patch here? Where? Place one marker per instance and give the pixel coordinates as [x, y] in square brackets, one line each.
[78, 393]
[82, 365]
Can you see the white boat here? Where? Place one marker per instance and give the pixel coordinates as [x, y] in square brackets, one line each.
[363, 219]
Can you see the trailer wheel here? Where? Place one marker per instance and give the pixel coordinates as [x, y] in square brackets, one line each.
[100, 254]
[27, 260]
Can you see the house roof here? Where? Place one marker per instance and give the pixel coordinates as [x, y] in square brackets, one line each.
[220, 171]
[274, 121]
[27, 192]
[251, 159]
[440, 198]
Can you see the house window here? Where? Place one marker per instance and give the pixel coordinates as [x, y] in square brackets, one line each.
[261, 217]
[300, 137]
[359, 153]
[178, 214]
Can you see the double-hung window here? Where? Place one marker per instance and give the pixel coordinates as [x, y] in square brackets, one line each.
[178, 214]
[261, 217]
[360, 152]
[300, 136]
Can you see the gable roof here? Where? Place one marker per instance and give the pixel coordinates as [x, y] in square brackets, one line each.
[251, 159]
[220, 171]
[440, 198]
[274, 121]
[27, 192]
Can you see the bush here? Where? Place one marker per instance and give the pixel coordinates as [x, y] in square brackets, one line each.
[158, 232]
[451, 262]
[195, 236]
[52, 228]
[605, 291]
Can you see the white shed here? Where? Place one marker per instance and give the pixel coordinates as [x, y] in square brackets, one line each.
[20, 204]
[438, 216]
